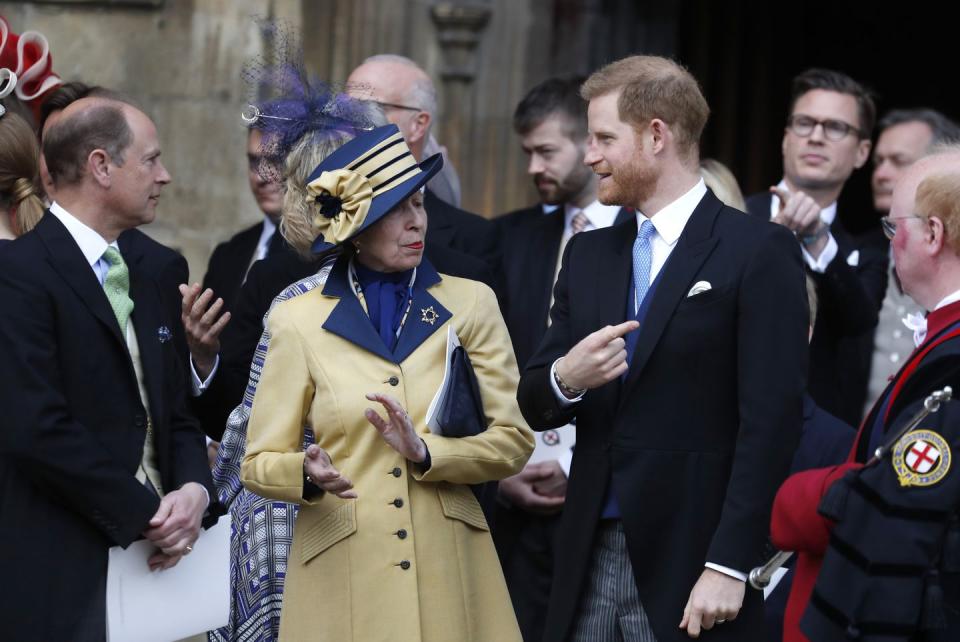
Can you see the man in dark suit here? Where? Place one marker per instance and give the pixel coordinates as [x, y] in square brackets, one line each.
[98, 448]
[232, 259]
[551, 122]
[685, 426]
[827, 137]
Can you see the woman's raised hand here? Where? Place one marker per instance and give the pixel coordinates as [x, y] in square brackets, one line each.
[397, 430]
[321, 472]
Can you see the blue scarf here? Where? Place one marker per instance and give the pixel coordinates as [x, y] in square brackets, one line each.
[386, 294]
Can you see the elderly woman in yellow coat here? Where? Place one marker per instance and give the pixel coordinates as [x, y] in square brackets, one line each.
[390, 542]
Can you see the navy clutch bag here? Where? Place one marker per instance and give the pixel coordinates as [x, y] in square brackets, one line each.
[461, 409]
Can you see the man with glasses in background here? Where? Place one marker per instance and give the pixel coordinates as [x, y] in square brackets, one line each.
[826, 138]
[905, 135]
[409, 100]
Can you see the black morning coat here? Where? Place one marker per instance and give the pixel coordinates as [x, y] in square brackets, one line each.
[849, 298]
[700, 433]
[74, 429]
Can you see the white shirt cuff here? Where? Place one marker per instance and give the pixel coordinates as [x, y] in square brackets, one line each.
[565, 402]
[727, 571]
[197, 386]
[565, 460]
[829, 253]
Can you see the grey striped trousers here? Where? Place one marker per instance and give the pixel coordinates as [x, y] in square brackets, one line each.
[610, 609]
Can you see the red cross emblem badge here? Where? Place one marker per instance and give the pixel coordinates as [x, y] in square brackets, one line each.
[921, 458]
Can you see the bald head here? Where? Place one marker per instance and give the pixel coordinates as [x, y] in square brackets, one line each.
[403, 90]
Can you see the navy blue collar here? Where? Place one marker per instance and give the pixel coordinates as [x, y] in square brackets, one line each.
[349, 321]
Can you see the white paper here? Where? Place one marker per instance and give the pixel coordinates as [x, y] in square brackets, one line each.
[161, 606]
[553, 444]
[774, 580]
[453, 341]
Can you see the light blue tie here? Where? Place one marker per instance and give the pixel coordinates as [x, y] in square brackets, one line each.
[642, 260]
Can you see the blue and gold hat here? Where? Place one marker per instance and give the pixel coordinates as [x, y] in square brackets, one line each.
[359, 183]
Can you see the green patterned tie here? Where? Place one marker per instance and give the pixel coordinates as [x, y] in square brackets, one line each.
[117, 287]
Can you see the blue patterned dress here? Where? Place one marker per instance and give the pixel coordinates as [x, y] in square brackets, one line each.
[262, 528]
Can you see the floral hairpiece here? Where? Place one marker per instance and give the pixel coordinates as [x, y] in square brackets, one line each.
[8, 82]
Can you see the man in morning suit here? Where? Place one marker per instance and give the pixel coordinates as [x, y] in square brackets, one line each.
[551, 121]
[98, 448]
[826, 138]
[678, 343]
[879, 542]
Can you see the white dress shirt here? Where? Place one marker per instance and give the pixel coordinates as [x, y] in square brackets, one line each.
[668, 223]
[263, 244]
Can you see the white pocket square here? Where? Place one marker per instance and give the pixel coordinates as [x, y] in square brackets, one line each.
[698, 288]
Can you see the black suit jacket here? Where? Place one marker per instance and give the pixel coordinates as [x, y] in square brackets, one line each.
[699, 435]
[74, 430]
[229, 264]
[529, 243]
[267, 279]
[849, 301]
[169, 269]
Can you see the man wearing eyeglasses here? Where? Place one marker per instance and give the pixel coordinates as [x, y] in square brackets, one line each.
[826, 138]
[905, 135]
[879, 541]
[407, 96]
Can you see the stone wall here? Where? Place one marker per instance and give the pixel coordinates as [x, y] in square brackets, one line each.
[182, 60]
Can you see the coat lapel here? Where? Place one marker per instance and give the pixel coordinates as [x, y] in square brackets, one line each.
[146, 315]
[615, 263]
[426, 314]
[349, 320]
[693, 247]
[69, 262]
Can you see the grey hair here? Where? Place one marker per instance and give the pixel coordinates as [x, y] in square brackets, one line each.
[945, 131]
[422, 94]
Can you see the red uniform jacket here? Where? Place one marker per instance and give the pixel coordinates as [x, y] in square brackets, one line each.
[796, 525]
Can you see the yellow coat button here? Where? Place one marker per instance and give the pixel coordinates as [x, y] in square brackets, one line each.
[404, 564]
[393, 381]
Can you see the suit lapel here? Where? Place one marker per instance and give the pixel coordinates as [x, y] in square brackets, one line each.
[146, 315]
[548, 235]
[693, 247]
[615, 264]
[69, 262]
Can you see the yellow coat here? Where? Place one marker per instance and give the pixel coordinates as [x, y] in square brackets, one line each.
[411, 558]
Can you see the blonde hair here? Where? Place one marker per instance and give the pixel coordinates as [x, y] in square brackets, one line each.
[20, 172]
[722, 182]
[939, 195]
[296, 223]
[654, 87]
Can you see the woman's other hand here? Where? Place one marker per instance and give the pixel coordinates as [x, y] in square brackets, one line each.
[397, 430]
[321, 472]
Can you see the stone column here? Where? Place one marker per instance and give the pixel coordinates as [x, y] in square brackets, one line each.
[459, 28]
